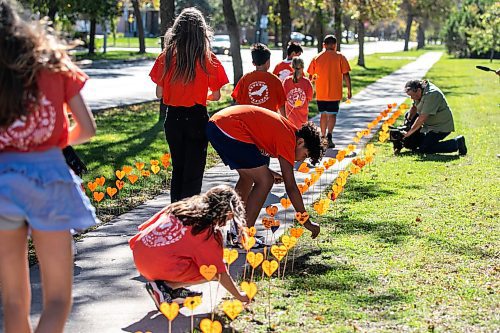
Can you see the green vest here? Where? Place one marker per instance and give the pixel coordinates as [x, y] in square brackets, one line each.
[434, 104]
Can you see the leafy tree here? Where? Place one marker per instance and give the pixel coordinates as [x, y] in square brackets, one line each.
[484, 37]
[234, 37]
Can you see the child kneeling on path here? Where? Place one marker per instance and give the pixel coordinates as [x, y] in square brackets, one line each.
[245, 136]
[171, 246]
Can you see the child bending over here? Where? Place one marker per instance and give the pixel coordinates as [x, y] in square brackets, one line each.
[171, 246]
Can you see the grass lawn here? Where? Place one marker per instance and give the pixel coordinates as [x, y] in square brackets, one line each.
[413, 242]
[132, 42]
[114, 56]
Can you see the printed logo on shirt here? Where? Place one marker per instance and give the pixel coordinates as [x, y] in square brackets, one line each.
[296, 97]
[258, 92]
[265, 153]
[31, 130]
[283, 74]
[168, 230]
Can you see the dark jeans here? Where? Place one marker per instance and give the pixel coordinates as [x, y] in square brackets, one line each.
[185, 134]
[430, 143]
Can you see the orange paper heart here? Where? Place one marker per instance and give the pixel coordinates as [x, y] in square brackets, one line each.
[192, 302]
[271, 210]
[251, 231]
[248, 243]
[169, 310]
[145, 173]
[119, 174]
[120, 184]
[269, 267]
[285, 202]
[296, 232]
[302, 217]
[139, 165]
[232, 308]
[208, 326]
[303, 168]
[132, 179]
[249, 288]
[255, 259]
[127, 169]
[111, 191]
[267, 222]
[302, 188]
[154, 162]
[208, 272]
[230, 255]
[92, 186]
[98, 196]
[100, 180]
[289, 241]
[279, 251]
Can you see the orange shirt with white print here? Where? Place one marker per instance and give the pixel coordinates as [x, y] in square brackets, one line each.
[283, 69]
[47, 124]
[273, 134]
[260, 88]
[165, 249]
[298, 96]
[179, 93]
[328, 68]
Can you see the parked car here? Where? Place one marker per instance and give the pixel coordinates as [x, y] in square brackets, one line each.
[299, 37]
[221, 44]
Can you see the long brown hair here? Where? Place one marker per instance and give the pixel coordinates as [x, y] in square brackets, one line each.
[209, 210]
[25, 49]
[298, 68]
[188, 41]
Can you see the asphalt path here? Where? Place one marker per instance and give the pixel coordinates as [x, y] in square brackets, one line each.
[115, 84]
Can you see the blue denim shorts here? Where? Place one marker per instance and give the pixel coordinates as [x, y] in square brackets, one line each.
[328, 107]
[39, 189]
[234, 153]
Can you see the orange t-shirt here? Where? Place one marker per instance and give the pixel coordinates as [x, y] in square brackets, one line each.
[181, 94]
[283, 69]
[260, 88]
[273, 134]
[165, 249]
[298, 96]
[46, 126]
[328, 66]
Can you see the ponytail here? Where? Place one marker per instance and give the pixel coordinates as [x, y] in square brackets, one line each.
[298, 68]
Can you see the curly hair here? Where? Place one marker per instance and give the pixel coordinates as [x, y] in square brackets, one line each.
[312, 141]
[260, 54]
[188, 42]
[210, 210]
[26, 48]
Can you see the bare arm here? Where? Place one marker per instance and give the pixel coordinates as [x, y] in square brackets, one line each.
[214, 96]
[159, 91]
[418, 123]
[227, 282]
[84, 127]
[282, 111]
[347, 80]
[294, 194]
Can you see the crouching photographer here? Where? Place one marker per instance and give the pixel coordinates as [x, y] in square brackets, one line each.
[431, 121]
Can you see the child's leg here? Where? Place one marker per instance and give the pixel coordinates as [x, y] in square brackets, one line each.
[332, 120]
[14, 280]
[55, 258]
[263, 182]
[243, 186]
[322, 123]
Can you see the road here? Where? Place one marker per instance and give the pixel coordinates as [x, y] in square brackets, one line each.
[127, 83]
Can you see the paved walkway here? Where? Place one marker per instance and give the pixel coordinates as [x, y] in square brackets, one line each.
[109, 294]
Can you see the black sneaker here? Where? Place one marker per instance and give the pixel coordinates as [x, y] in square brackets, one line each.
[158, 293]
[462, 148]
[179, 295]
[330, 141]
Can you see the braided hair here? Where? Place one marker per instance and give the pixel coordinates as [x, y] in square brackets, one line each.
[210, 210]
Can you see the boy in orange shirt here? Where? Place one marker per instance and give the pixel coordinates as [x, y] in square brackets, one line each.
[246, 136]
[328, 69]
[284, 69]
[260, 87]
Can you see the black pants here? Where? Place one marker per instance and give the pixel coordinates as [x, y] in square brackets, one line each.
[185, 134]
[430, 143]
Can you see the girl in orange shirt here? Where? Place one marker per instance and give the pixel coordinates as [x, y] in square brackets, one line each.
[299, 92]
[183, 73]
[171, 246]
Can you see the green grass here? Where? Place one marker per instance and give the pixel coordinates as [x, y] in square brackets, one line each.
[413, 242]
[132, 42]
[115, 55]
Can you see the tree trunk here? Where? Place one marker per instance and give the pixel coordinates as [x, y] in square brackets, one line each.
[167, 13]
[286, 25]
[52, 12]
[234, 37]
[92, 37]
[409, 21]
[420, 37]
[361, 43]
[320, 33]
[140, 26]
[337, 14]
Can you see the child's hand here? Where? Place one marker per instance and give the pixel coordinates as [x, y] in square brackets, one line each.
[278, 179]
[243, 298]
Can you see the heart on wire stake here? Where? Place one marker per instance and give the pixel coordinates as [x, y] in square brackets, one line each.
[302, 217]
[169, 310]
[248, 243]
[120, 184]
[303, 168]
[92, 186]
[208, 326]
[271, 210]
[208, 272]
[98, 196]
[255, 259]
[285, 202]
[296, 232]
[100, 180]
[269, 267]
[279, 252]
[249, 288]
[250, 231]
[127, 169]
[119, 174]
[232, 308]
[267, 222]
[230, 256]
[111, 191]
[192, 303]
[139, 165]
[132, 179]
